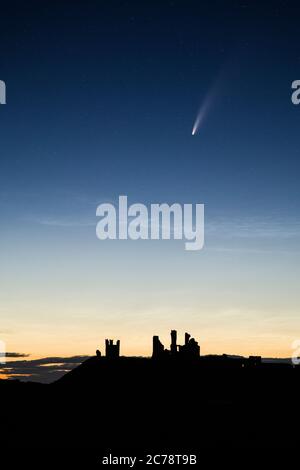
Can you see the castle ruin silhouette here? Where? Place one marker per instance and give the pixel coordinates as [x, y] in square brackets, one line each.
[112, 350]
[190, 348]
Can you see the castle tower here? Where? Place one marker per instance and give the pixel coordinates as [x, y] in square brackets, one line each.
[173, 342]
[186, 338]
[158, 347]
[112, 350]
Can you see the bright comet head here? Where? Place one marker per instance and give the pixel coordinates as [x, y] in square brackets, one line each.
[205, 107]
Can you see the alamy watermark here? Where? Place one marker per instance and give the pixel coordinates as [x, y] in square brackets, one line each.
[2, 92]
[296, 352]
[2, 352]
[161, 221]
[295, 97]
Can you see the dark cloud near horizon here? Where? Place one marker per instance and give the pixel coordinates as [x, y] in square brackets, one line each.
[15, 354]
[44, 370]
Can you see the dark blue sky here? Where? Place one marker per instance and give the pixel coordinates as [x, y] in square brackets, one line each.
[102, 97]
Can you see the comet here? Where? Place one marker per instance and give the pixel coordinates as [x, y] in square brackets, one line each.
[204, 109]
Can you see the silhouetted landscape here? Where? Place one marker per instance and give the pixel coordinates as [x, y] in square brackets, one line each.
[149, 232]
[175, 400]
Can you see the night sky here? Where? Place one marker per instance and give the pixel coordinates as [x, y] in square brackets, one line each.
[101, 101]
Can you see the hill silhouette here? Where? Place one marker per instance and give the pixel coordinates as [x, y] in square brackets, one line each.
[174, 403]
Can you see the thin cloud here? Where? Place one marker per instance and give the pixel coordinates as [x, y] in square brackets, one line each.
[16, 354]
[253, 228]
[65, 222]
[44, 370]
